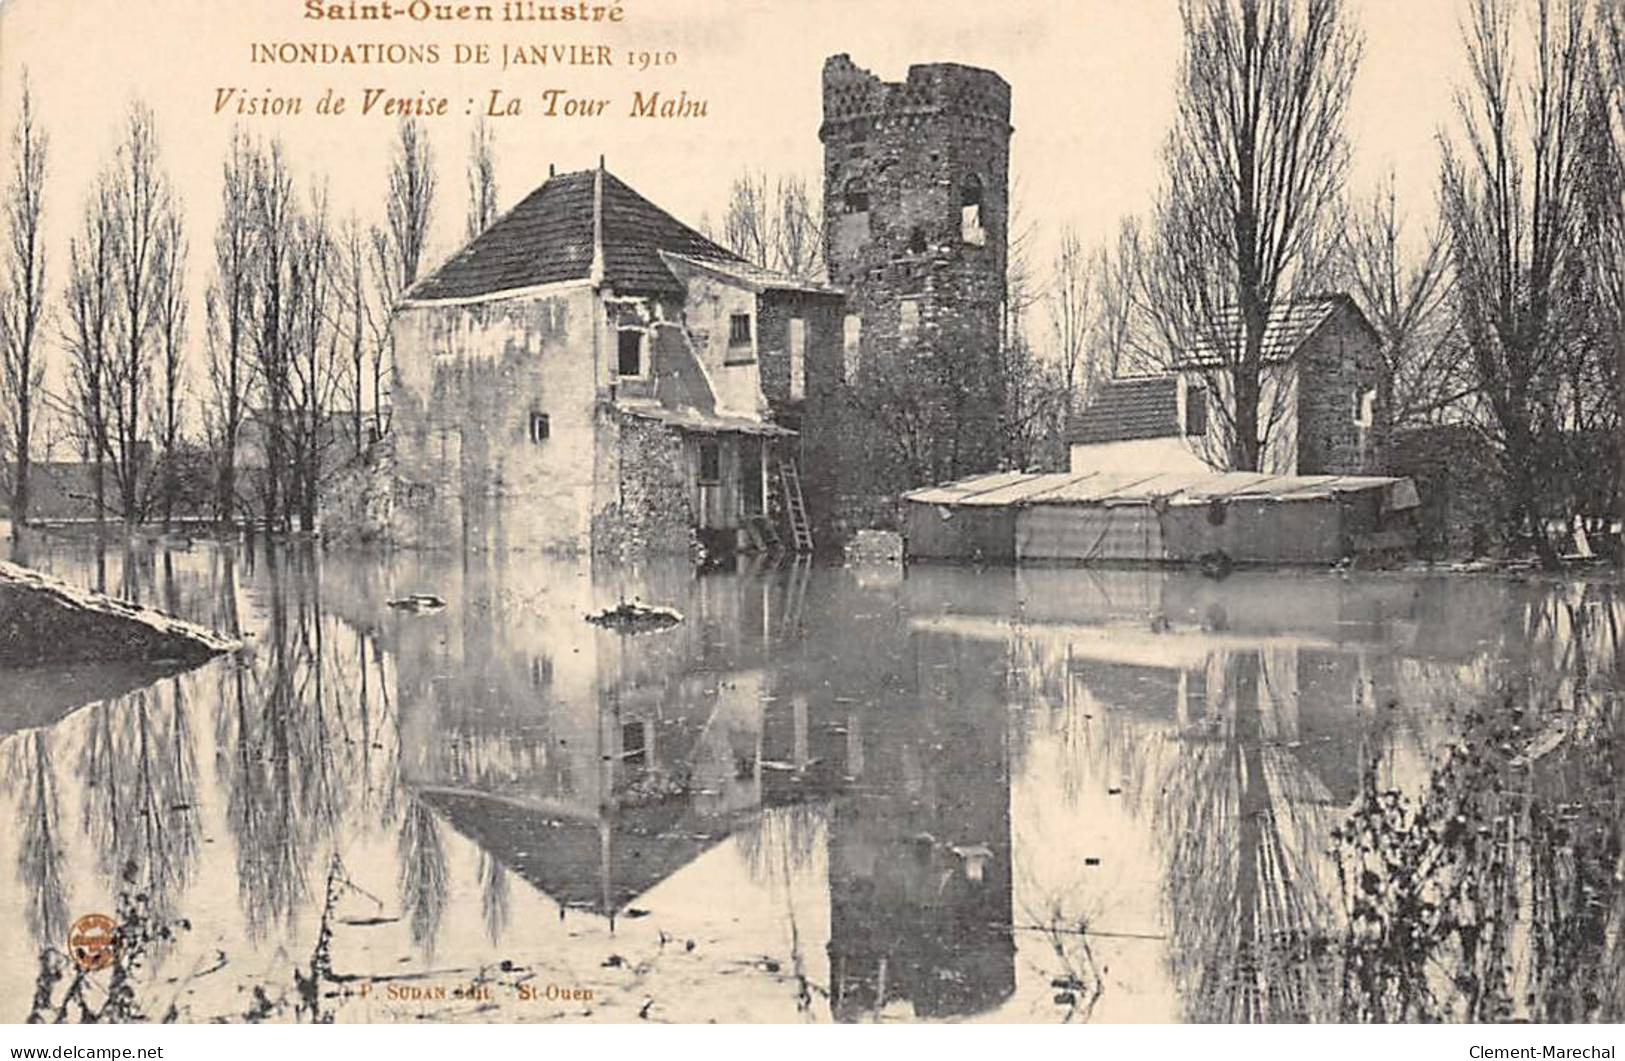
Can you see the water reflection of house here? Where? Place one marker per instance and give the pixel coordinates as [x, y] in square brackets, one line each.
[595, 764]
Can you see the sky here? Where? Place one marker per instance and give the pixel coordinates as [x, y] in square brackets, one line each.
[1092, 85]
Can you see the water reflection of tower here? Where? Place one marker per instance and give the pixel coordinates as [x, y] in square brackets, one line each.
[920, 851]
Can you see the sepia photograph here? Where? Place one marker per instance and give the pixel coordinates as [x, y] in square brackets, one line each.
[815, 512]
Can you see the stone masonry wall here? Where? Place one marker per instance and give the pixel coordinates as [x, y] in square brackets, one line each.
[653, 512]
[1338, 364]
[915, 149]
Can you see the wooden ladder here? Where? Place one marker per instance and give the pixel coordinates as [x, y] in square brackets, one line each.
[795, 506]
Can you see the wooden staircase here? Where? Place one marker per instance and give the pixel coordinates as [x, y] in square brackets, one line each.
[795, 507]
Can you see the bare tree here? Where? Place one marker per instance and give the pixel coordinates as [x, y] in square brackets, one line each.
[1606, 191]
[799, 242]
[1408, 295]
[171, 310]
[398, 247]
[315, 372]
[357, 324]
[1119, 338]
[275, 216]
[87, 335]
[482, 180]
[1510, 187]
[771, 223]
[231, 308]
[22, 301]
[140, 203]
[1255, 165]
[1072, 313]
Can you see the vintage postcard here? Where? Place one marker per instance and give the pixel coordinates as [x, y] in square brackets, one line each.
[812, 511]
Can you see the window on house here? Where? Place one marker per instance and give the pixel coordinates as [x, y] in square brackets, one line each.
[541, 428]
[798, 359]
[855, 199]
[710, 461]
[629, 353]
[908, 317]
[970, 213]
[852, 345]
[1196, 411]
[634, 745]
[739, 329]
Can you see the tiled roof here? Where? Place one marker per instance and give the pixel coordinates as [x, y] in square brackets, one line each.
[1126, 409]
[548, 238]
[1290, 325]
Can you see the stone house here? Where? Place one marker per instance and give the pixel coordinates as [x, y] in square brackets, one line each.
[590, 375]
[1317, 409]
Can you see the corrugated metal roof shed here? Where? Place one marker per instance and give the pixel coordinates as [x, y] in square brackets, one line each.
[1176, 488]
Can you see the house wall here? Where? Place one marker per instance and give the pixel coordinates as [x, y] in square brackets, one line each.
[1338, 363]
[734, 372]
[652, 509]
[1144, 456]
[1278, 417]
[820, 413]
[468, 378]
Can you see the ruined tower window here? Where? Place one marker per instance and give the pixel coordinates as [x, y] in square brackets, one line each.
[1365, 407]
[629, 353]
[908, 318]
[916, 240]
[856, 199]
[541, 428]
[1196, 411]
[798, 359]
[739, 329]
[852, 345]
[710, 461]
[970, 213]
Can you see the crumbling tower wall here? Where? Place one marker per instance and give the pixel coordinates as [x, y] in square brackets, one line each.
[916, 212]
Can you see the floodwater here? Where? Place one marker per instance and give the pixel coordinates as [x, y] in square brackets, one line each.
[1051, 795]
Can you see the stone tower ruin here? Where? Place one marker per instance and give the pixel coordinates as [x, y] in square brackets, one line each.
[916, 223]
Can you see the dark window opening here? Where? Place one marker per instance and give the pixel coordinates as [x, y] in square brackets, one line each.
[541, 428]
[1196, 411]
[739, 330]
[916, 240]
[633, 746]
[710, 461]
[856, 198]
[629, 351]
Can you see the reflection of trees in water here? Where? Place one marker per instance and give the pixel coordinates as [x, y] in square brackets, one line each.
[422, 873]
[138, 772]
[495, 900]
[31, 773]
[781, 844]
[1244, 826]
[298, 740]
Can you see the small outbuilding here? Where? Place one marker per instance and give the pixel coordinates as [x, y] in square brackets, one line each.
[1174, 518]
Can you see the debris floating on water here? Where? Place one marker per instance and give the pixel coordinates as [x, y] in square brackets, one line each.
[418, 602]
[632, 617]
